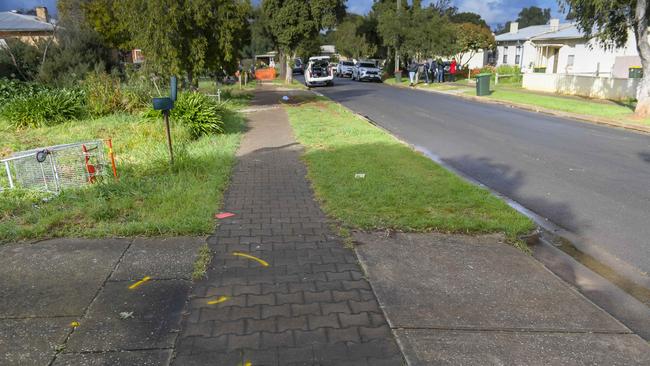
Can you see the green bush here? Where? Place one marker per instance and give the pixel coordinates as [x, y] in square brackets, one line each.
[202, 115]
[12, 88]
[107, 94]
[103, 93]
[47, 107]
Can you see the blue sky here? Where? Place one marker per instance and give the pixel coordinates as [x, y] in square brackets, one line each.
[493, 11]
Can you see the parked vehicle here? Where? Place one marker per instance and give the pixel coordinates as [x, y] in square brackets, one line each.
[297, 66]
[366, 70]
[344, 69]
[319, 72]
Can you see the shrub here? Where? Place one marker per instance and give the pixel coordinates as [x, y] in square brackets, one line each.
[47, 107]
[103, 93]
[12, 88]
[202, 115]
[108, 94]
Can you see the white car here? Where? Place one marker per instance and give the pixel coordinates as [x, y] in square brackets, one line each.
[366, 70]
[344, 68]
[319, 72]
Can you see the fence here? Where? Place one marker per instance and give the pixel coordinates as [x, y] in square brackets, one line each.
[582, 85]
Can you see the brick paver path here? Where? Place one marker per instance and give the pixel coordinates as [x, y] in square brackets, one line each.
[311, 305]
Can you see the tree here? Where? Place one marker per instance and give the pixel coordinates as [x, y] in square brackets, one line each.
[533, 16]
[467, 17]
[104, 17]
[260, 40]
[609, 22]
[291, 22]
[472, 38]
[188, 36]
[390, 25]
[350, 40]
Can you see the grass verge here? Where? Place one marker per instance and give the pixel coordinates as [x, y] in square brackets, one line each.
[620, 112]
[150, 198]
[401, 190]
[202, 262]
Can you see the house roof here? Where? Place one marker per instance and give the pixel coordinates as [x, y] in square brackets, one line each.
[568, 30]
[14, 22]
[571, 31]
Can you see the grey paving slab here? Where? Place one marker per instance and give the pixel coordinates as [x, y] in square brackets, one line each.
[139, 358]
[459, 282]
[31, 341]
[56, 277]
[156, 308]
[160, 258]
[311, 304]
[467, 348]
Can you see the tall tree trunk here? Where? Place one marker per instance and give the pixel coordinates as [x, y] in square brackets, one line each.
[283, 69]
[641, 33]
[289, 75]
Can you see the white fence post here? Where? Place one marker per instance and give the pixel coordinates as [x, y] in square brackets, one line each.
[496, 78]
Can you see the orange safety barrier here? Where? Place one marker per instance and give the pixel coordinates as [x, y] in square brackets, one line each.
[265, 74]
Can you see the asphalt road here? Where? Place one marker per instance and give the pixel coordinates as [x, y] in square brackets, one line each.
[591, 180]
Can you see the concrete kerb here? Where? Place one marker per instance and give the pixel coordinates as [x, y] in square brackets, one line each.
[601, 292]
[551, 112]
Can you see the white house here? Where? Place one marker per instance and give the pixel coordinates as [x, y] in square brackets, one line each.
[561, 48]
[558, 58]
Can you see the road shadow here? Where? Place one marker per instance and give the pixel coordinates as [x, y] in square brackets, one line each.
[645, 156]
[507, 181]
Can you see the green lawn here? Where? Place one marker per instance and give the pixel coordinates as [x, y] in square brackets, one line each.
[622, 112]
[150, 198]
[295, 84]
[402, 189]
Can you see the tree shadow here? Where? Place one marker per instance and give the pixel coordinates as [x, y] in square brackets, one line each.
[645, 156]
[506, 181]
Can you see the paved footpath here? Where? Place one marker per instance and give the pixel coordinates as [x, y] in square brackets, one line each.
[311, 305]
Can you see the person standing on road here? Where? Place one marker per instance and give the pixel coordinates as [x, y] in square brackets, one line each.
[425, 69]
[452, 69]
[441, 71]
[413, 69]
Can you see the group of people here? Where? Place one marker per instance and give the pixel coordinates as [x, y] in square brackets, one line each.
[433, 68]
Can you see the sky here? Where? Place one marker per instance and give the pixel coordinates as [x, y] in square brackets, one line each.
[493, 11]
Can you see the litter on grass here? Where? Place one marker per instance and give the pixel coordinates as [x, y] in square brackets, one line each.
[285, 98]
[223, 215]
[360, 175]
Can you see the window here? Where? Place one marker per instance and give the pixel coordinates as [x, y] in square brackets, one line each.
[569, 60]
[505, 54]
[517, 55]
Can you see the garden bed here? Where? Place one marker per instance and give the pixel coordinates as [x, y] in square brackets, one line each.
[151, 197]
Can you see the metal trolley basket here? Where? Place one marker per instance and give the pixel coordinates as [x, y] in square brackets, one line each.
[55, 168]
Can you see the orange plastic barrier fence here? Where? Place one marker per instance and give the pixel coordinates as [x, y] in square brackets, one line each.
[265, 74]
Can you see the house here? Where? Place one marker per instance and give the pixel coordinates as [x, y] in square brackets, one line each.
[516, 47]
[562, 48]
[26, 28]
[559, 58]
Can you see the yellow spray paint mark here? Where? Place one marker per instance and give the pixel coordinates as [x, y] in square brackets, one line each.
[135, 285]
[74, 324]
[218, 301]
[248, 363]
[260, 261]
